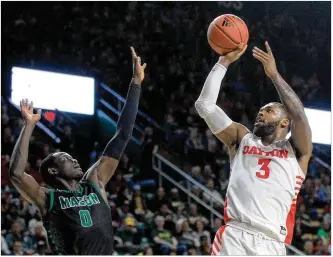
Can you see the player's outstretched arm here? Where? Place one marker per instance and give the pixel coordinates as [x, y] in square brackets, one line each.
[23, 182]
[227, 131]
[105, 167]
[300, 127]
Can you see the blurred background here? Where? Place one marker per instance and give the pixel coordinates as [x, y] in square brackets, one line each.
[73, 60]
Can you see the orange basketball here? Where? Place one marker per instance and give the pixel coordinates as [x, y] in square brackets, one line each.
[226, 32]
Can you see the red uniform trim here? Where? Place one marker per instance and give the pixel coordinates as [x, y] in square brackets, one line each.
[299, 177]
[290, 224]
[225, 211]
[217, 244]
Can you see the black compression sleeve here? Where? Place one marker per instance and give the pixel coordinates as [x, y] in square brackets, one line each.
[125, 124]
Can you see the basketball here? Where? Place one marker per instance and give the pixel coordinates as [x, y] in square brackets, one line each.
[226, 32]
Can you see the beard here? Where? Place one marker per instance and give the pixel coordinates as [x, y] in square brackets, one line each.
[265, 129]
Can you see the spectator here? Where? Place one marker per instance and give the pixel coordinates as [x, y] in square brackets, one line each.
[163, 239]
[319, 192]
[308, 247]
[166, 213]
[174, 199]
[326, 186]
[208, 173]
[325, 230]
[205, 248]
[187, 236]
[196, 174]
[16, 236]
[179, 215]
[217, 199]
[161, 198]
[39, 237]
[18, 248]
[304, 217]
[129, 233]
[196, 191]
[199, 232]
[194, 216]
[138, 205]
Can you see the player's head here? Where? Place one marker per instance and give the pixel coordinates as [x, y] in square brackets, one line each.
[271, 118]
[59, 166]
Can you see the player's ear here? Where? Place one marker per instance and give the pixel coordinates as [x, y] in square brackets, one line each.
[284, 123]
[52, 171]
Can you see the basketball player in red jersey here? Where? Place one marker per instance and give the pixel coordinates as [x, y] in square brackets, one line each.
[267, 169]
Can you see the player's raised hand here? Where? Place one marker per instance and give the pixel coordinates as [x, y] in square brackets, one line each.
[138, 69]
[27, 110]
[267, 60]
[229, 58]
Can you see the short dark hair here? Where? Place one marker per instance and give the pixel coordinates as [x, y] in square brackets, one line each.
[285, 114]
[47, 163]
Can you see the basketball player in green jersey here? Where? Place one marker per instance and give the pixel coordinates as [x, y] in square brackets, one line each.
[74, 207]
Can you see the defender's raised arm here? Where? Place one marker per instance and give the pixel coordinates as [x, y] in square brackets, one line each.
[22, 181]
[108, 163]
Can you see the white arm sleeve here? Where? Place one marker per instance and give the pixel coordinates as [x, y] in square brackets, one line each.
[216, 119]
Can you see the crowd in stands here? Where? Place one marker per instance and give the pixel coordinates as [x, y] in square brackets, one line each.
[94, 39]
